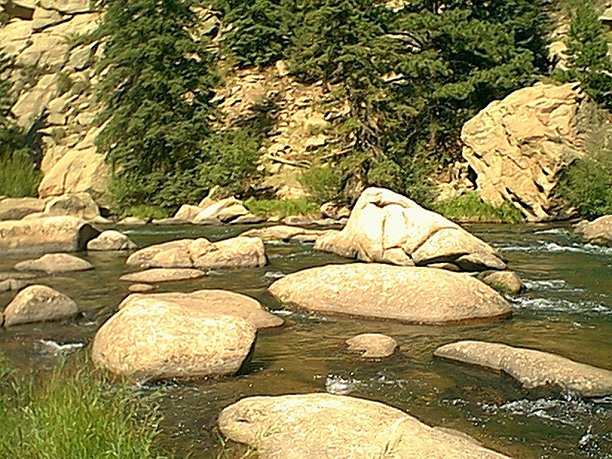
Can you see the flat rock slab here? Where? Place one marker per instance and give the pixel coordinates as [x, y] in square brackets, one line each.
[39, 303]
[372, 345]
[286, 233]
[530, 367]
[163, 275]
[55, 263]
[407, 294]
[47, 234]
[325, 426]
[214, 301]
[172, 341]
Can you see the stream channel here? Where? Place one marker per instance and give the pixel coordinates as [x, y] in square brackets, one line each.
[567, 310]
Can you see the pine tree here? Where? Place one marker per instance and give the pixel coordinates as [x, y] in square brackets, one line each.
[156, 87]
[588, 57]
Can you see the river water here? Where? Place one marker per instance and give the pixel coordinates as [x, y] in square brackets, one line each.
[567, 310]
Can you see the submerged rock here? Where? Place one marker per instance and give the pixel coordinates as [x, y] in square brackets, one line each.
[111, 240]
[163, 275]
[141, 288]
[372, 345]
[333, 426]
[55, 263]
[48, 234]
[239, 252]
[407, 294]
[387, 227]
[530, 367]
[598, 231]
[214, 301]
[172, 341]
[39, 303]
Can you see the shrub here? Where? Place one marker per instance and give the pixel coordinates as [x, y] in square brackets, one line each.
[323, 183]
[281, 208]
[18, 175]
[469, 207]
[73, 414]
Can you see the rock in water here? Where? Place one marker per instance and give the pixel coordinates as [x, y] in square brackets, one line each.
[386, 227]
[372, 345]
[503, 281]
[325, 426]
[598, 231]
[39, 303]
[172, 341]
[111, 240]
[50, 234]
[407, 294]
[530, 367]
[55, 263]
[214, 301]
[163, 275]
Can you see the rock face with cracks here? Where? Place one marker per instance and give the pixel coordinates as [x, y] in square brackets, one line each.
[328, 426]
[239, 252]
[39, 303]
[530, 367]
[407, 294]
[214, 301]
[386, 227]
[172, 341]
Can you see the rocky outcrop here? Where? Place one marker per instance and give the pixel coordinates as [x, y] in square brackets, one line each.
[372, 345]
[156, 275]
[55, 263]
[390, 228]
[598, 231]
[39, 303]
[518, 146]
[111, 240]
[213, 301]
[285, 233]
[172, 341]
[17, 208]
[532, 368]
[243, 252]
[416, 295]
[49, 234]
[332, 426]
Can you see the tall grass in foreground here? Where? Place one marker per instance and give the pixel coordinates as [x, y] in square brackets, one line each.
[18, 176]
[73, 414]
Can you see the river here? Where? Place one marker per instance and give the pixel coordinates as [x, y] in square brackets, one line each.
[566, 310]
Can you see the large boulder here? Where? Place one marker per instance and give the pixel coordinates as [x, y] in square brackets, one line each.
[172, 341]
[17, 208]
[48, 234]
[243, 252]
[530, 367]
[39, 303]
[77, 205]
[386, 227]
[223, 211]
[111, 240]
[598, 231]
[519, 146]
[214, 301]
[332, 426]
[416, 295]
[55, 263]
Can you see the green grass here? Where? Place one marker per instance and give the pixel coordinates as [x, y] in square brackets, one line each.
[470, 208]
[146, 212]
[18, 176]
[281, 208]
[73, 413]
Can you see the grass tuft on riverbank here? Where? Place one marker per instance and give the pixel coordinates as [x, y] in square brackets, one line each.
[469, 208]
[73, 413]
[282, 208]
[18, 176]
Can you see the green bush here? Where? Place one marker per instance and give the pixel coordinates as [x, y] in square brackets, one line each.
[281, 208]
[73, 414]
[469, 207]
[18, 175]
[323, 183]
[146, 212]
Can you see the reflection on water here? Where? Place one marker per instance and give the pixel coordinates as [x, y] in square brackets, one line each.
[567, 310]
